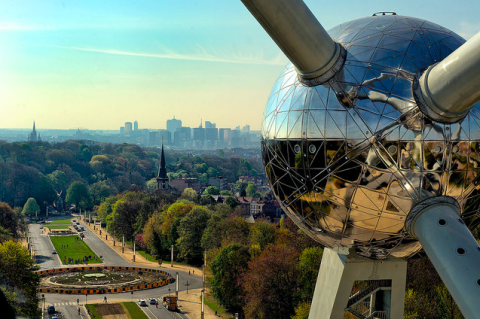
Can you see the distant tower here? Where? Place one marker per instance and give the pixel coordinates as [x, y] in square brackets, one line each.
[162, 178]
[135, 126]
[32, 137]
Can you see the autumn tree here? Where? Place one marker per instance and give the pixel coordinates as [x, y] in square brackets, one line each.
[270, 282]
[226, 267]
[308, 267]
[262, 233]
[16, 274]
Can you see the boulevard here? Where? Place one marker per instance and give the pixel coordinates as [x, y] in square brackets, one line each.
[67, 306]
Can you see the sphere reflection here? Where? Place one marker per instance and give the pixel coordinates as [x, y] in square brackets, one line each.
[348, 159]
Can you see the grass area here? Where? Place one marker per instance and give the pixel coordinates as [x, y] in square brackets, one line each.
[93, 312]
[213, 304]
[134, 310]
[70, 247]
[61, 222]
[57, 226]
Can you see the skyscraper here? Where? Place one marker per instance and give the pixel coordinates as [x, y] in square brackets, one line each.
[135, 126]
[128, 127]
[173, 125]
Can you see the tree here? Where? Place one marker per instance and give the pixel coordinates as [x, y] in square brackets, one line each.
[99, 191]
[78, 195]
[124, 217]
[262, 233]
[251, 189]
[240, 188]
[302, 310]
[190, 231]
[31, 207]
[308, 266]
[12, 221]
[270, 282]
[232, 201]
[190, 194]
[211, 190]
[226, 267]
[16, 274]
[173, 212]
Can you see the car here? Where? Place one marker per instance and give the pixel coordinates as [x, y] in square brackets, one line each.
[153, 301]
[143, 303]
[54, 317]
[54, 251]
[74, 220]
[51, 309]
[41, 226]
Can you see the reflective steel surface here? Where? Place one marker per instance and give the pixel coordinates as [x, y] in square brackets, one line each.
[348, 159]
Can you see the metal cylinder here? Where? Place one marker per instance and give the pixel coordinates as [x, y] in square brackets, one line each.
[448, 89]
[451, 247]
[297, 32]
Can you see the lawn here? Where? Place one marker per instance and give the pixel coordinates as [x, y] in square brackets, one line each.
[93, 312]
[134, 310]
[213, 304]
[61, 222]
[69, 247]
[57, 226]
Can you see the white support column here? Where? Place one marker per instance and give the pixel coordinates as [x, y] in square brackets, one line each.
[451, 247]
[339, 272]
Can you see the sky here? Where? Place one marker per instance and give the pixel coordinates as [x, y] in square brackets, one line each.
[97, 64]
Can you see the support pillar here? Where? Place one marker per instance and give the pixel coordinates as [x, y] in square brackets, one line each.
[451, 247]
[339, 272]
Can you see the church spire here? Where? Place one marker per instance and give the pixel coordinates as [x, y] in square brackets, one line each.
[34, 126]
[162, 178]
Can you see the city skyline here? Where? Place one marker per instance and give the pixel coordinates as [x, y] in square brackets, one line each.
[93, 65]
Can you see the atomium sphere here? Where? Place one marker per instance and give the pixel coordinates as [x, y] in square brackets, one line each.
[348, 159]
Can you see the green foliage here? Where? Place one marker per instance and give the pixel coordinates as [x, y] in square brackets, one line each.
[190, 232]
[226, 267]
[189, 194]
[232, 201]
[240, 188]
[99, 191]
[262, 233]
[12, 221]
[31, 207]
[211, 238]
[302, 310]
[308, 266]
[78, 195]
[16, 273]
[250, 189]
[211, 190]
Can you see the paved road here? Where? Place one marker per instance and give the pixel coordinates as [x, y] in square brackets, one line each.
[66, 305]
[43, 247]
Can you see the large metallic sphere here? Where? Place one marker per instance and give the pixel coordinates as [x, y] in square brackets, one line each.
[348, 159]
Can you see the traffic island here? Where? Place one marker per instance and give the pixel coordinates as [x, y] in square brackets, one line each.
[101, 279]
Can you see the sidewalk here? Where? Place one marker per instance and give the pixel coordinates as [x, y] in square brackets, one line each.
[139, 259]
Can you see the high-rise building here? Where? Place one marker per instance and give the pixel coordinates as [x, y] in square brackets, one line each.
[182, 135]
[211, 134]
[173, 125]
[128, 127]
[198, 134]
[209, 124]
[135, 126]
[122, 130]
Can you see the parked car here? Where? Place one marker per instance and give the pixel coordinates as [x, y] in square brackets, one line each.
[143, 303]
[54, 252]
[51, 309]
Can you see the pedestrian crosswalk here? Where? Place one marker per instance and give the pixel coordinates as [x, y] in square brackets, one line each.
[74, 303]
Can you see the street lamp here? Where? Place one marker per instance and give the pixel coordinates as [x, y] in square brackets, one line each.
[171, 258]
[86, 299]
[176, 285]
[43, 309]
[187, 284]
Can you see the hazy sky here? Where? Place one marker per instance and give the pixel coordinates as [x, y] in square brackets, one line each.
[96, 64]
